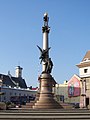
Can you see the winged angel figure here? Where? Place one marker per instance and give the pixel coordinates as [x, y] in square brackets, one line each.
[43, 55]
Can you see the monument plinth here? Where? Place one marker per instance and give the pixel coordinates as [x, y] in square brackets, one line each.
[46, 98]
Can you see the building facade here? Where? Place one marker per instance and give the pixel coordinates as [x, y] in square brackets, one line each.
[17, 95]
[69, 91]
[77, 89]
[84, 72]
[14, 89]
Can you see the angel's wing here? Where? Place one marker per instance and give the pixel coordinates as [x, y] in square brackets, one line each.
[39, 48]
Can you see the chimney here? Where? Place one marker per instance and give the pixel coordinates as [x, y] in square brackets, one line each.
[18, 71]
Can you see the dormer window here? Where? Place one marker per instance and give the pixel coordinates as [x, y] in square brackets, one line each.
[85, 59]
[85, 70]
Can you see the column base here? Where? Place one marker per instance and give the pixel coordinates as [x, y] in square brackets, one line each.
[46, 99]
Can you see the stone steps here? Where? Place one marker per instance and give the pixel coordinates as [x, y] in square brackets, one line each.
[45, 115]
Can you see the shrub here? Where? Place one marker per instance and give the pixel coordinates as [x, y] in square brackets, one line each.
[10, 105]
[2, 106]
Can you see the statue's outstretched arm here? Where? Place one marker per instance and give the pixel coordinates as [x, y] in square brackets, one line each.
[47, 50]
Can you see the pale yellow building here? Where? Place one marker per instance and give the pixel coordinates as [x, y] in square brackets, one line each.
[69, 91]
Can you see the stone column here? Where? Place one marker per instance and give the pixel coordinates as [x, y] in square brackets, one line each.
[45, 31]
[46, 99]
[84, 97]
[83, 94]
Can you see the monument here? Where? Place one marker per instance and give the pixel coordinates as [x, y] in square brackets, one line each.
[46, 99]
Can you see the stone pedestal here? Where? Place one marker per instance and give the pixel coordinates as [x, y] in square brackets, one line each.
[46, 100]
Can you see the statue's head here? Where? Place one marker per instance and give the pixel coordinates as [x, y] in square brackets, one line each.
[45, 14]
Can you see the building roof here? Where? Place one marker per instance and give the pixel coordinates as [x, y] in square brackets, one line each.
[74, 77]
[34, 88]
[87, 56]
[13, 81]
[85, 61]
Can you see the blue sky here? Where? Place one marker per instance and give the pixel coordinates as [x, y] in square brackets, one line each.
[21, 30]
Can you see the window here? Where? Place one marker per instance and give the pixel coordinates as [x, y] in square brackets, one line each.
[61, 98]
[4, 98]
[85, 70]
[85, 59]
